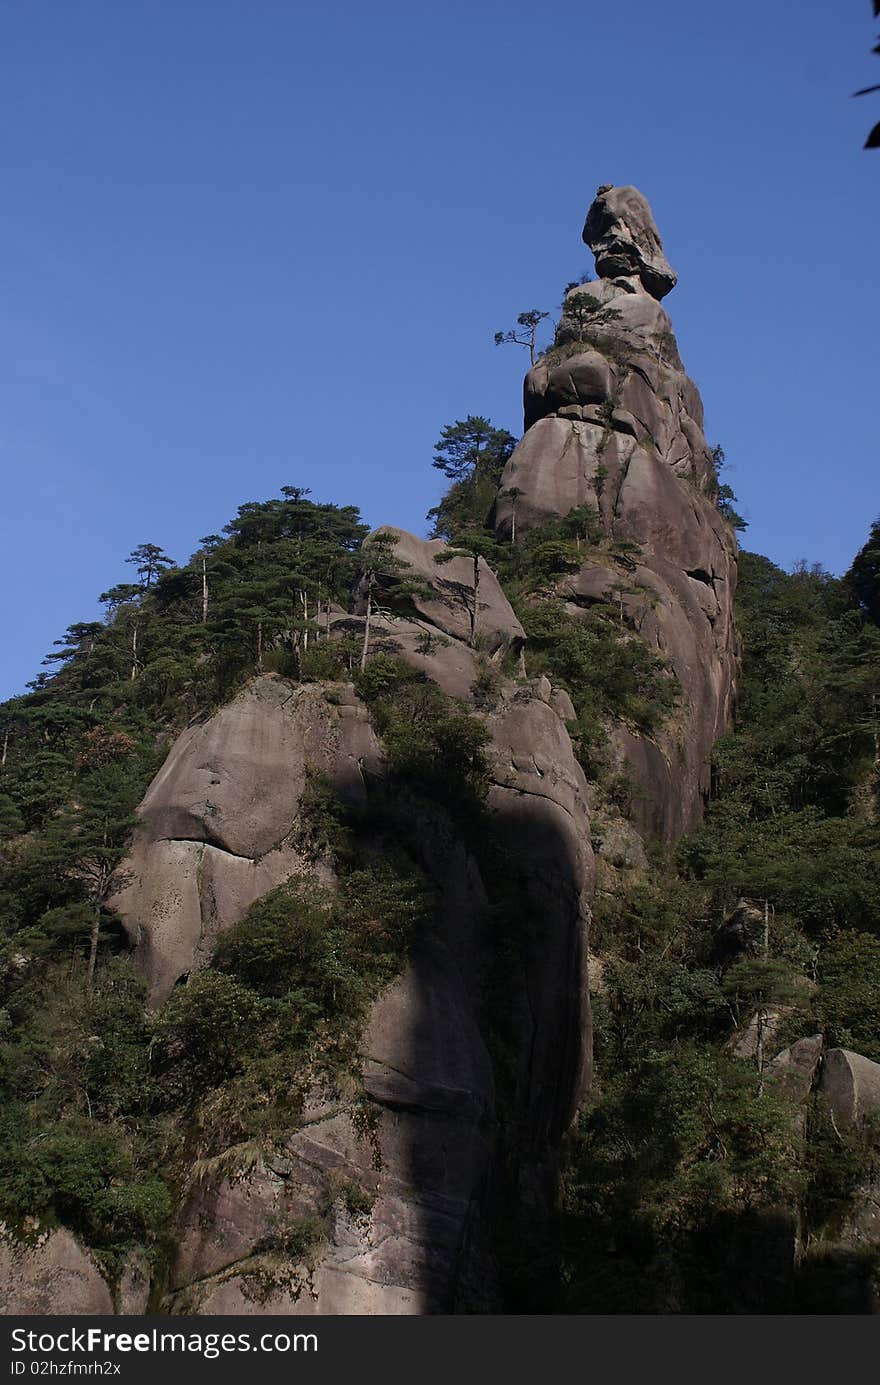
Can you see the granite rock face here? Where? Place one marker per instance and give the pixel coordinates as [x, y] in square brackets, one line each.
[218, 827]
[446, 602]
[451, 1135]
[621, 233]
[795, 1068]
[218, 822]
[851, 1084]
[614, 423]
[53, 1276]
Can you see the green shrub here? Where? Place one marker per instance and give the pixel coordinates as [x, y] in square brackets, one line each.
[606, 672]
[281, 943]
[432, 744]
[205, 1031]
[284, 999]
[84, 1174]
[848, 1002]
[324, 661]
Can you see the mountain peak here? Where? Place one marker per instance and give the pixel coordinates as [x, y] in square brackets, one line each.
[621, 232]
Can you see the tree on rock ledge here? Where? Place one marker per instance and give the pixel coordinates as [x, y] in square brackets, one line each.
[473, 454]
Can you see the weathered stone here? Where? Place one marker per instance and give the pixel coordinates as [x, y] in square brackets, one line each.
[620, 231]
[582, 379]
[617, 841]
[615, 425]
[562, 705]
[216, 822]
[591, 583]
[764, 1024]
[448, 662]
[422, 1048]
[56, 1276]
[133, 1286]
[861, 1227]
[428, 1158]
[226, 1221]
[795, 1068]
[540, 797]
[235, 780]
[851, 1084]
[451, 583]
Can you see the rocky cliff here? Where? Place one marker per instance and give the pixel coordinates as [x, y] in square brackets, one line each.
[219, 827]
[614, 422]
[450, 1130]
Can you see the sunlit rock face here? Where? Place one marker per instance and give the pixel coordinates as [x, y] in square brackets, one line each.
[219, 827]
[459, 1140]
[613, 422]
[620, 231]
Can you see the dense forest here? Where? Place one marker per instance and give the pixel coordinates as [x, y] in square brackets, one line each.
[688, 1156]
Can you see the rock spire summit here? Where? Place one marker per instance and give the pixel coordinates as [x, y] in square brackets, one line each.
[621, 233]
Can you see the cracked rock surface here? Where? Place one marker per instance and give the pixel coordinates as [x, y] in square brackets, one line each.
[613, 422]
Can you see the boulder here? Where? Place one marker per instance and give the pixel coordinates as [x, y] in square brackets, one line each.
[448, 662]
[621, 233]
[450, 586]
[744, 1043]
[795, 1068]
[54, 1276]
[234, 780]
[562, 705]
[851, 1084]
[217, 825]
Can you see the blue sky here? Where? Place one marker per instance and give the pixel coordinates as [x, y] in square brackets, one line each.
[248, 244]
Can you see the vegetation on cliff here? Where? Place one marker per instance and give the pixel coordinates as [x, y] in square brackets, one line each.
[686, 1156]
[104, 1101]
[684, 1178]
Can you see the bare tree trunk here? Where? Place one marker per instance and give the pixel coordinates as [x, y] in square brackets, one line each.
[305, 605]
[369, 615]
[96, 923]
[5, 747]
[134, 652]
[204, 591]
[476, 601]
[93, 946]
[766, 938]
